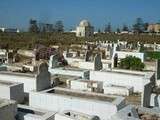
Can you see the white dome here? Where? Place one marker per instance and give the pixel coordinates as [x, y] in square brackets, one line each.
[84, 23]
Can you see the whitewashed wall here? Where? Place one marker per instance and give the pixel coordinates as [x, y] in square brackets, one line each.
[61, 117]
[12, 92]
[8, 110]
[29, 82]
[155, 100]
[80, 63]
[122, 54]
[121, 79]
[78, 73]
[60, 103]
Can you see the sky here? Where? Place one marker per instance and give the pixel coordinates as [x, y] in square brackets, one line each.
[17, 13]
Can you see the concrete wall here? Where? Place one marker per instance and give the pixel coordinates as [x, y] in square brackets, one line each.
[122, 55]
[17, 93]
[29, 82]
[8, 110]
[155, 100]
[120, 79]
[146, 95]
[12, 92]
[79, 73]
[117, 90]
[39, 81]
[29, 113]
[80, 63]
[61, 117]
[60, 103]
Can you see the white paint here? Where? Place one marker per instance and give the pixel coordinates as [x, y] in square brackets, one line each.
[86, 85]
[118, 90]
[71, 71]
[155, 100]
[12, 91]
[59, 103]
[124, 54]
[121, 79]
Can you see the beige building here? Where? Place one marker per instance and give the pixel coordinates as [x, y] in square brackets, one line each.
[154, 28]
[84, 29]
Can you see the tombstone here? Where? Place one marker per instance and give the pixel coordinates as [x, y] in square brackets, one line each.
[10, 57]
[146, 95]
[53, 62]
[33, 61]
[115, 60]
[108, 47]
[118, 48]
[97, 62]
[43, 77]
[88, 56]
[111, 52]
[158, 69]
[155, 46]
[103, 54]
[78, 54]
[67, 53]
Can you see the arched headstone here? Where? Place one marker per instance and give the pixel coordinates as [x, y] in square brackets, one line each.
[97, 62]
[43, 77]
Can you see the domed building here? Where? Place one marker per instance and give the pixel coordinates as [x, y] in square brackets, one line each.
[84, 29]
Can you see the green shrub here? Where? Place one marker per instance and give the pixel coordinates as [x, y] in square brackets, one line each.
[132, 63]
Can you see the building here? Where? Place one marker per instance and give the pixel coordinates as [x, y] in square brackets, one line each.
[84, 29]
[10, 30]
[154, 28]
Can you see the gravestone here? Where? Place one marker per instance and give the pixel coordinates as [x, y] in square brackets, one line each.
[78, 54]
[97, 62]
[88, 56]
[67, 53]
[115, 64]
[158, 69]
[146, 95]
[43, 77]
[53, 62]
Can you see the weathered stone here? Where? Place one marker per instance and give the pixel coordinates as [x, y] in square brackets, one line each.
[97, 62]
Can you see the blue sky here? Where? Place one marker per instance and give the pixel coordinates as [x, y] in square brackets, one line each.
[16, 13]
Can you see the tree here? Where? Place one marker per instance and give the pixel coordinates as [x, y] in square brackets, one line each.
[146, 26]
[33, 28]
[59, 27]
[108, 28]
[118, 30]
[132, 63]
[138, 27]
[125, 28]
[99, 30]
